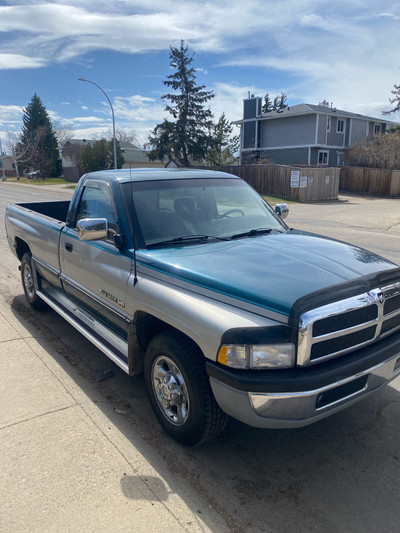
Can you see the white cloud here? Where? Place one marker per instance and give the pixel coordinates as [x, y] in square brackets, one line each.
[337, 54]
[11, 113]
[138, 108]
[18, 61]
[389, 15]
[234, 94]
[89, 120]
[88, 133]
[62, 32]
[343, 51]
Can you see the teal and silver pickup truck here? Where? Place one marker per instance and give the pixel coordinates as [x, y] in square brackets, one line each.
[192, 278]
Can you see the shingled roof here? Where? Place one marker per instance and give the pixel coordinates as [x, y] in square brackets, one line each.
[310, 109]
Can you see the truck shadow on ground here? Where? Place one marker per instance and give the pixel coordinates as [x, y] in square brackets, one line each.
[341, 474]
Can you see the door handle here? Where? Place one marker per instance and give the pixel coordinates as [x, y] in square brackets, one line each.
[68, 247]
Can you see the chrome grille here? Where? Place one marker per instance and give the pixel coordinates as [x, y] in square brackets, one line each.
[340, 327]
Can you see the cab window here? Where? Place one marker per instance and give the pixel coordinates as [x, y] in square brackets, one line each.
[98, 202]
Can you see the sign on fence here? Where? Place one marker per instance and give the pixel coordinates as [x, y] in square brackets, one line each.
[294, 179]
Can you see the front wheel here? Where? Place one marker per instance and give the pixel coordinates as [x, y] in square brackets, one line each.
[179, 390]
[28, 283]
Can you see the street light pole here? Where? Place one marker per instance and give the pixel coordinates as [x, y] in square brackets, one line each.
[113, 118]
[2, 163]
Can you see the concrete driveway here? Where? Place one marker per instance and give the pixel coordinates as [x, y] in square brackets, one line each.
[372, 223]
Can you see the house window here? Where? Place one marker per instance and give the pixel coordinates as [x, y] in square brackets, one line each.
[377, 129]
[323, 157]
[340, 126]
[339, 159]
[328, 124]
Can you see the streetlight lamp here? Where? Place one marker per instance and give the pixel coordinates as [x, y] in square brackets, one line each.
[113, 118]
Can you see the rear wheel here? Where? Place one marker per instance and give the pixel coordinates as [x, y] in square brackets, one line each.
[179, 390]
[28, 283]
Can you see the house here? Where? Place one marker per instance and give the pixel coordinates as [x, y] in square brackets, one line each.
[7, 166]
[72, 150]
[302, 134]
[135, 157]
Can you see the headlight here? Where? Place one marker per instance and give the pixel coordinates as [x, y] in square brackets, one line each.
[257, 356]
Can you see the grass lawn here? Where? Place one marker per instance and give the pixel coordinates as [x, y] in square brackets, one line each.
[40, 182]
[273, 200]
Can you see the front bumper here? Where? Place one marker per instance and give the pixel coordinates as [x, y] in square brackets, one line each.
[296, 398]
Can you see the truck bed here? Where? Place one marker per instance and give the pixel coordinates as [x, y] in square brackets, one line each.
[40, 224]
[57, 210]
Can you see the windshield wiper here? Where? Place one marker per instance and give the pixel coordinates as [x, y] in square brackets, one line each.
[252, 233]
[186, 239]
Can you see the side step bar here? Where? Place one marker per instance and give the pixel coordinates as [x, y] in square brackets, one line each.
[105, 340]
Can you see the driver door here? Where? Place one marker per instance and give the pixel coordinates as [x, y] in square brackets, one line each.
[95, 273]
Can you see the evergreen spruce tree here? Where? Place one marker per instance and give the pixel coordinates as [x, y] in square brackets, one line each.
[267, 106]
[100, 156]
[38, 136]
[281, 102]
[224, 145]
[278, 104]
[187, 136]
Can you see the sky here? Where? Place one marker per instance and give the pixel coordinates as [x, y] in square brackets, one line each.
[345, 52]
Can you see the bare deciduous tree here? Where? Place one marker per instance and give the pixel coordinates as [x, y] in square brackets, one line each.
[74, 151]
[120, 135]
[62, 130]
[394, 101]
[20, 153]
[382, 151]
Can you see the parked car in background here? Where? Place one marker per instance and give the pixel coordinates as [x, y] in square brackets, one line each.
[33, 174]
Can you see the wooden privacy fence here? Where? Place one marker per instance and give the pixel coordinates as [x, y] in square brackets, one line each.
[370, 181]
[293, 183]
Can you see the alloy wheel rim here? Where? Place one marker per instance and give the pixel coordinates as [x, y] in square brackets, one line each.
[170, 390]
[28, 282]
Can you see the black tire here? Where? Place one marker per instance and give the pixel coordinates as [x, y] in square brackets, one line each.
[28, 283]
[179, 390]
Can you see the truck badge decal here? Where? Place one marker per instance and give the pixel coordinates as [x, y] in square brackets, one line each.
[112, 298]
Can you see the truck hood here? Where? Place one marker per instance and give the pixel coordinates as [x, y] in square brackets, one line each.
[271, 271]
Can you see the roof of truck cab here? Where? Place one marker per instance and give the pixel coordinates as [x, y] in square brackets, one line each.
[154, 174]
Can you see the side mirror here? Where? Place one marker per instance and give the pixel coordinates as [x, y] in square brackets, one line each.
[92, 229]
[282, 210]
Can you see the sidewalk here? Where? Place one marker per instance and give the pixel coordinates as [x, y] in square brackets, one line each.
[66, 465]
[55, 187]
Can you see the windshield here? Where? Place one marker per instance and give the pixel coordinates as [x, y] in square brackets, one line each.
[168, 210]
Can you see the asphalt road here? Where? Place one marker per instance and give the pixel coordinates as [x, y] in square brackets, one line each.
[340, 475]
